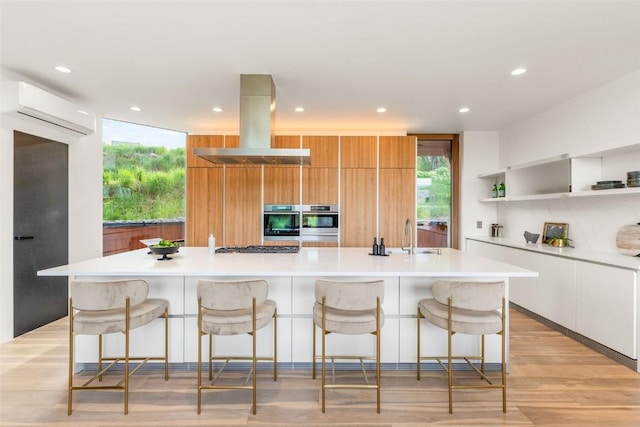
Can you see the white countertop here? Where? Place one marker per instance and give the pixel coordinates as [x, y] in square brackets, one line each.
[310, 262]
[606, 258]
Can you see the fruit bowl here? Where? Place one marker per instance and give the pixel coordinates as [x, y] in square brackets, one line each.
[164, 250]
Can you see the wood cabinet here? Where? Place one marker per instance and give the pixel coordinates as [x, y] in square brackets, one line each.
[320, 179]
[204, 205]
[397, 189]
[242, 208]
[358, 152]
[371, 178]
[319, 186]
[281, 183]
[358, 211]
[202, 141]
[398, 152]
[324, 151]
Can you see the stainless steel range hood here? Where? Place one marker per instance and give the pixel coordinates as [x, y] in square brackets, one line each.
[257, 122]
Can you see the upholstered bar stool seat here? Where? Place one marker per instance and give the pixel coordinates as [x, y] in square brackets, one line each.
[234, 307]
[464, 321]
[349, 308]
[119, 306]
[348, 322]
[473, 308]
[110, 321]
[235, 322]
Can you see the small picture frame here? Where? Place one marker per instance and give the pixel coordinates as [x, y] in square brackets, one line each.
[554, 229]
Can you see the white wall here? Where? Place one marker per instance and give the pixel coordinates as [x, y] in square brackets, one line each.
[604, 118]
[478, 154]
[85, 198]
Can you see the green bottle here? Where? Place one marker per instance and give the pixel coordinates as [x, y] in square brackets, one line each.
[501, 190]
[494, 191]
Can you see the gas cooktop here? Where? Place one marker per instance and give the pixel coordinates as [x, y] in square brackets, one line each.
[259, 249]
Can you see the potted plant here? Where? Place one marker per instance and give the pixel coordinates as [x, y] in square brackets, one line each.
[559, 242]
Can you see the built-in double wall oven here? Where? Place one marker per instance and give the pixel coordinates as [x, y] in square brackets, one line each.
[311, 223]
[281, 222]
[320, 223]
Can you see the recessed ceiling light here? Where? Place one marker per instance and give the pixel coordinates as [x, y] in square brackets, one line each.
[135, 108]
[518, 71]
[464, 110]
[381, 110]
[299, 109]
[62, 69]
[217, 109]
[83, 112]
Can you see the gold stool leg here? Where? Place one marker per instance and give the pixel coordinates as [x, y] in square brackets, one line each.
[313, 356]
[378, 352]
[71, 338]
[275, 345]
[253, 334]
[504, 368]
[126, 357]
[199, 354]
[324, 334]
[418, 346]
[449, 359]
[166, 344]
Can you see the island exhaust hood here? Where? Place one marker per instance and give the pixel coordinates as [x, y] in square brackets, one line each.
[257, 122]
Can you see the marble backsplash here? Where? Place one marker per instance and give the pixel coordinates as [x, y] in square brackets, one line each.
[593, 221]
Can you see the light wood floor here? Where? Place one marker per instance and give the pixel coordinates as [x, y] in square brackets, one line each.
[554, 381]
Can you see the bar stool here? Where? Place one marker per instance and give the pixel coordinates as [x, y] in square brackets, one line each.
[99, 308]
[468, 308]
[233, 307]
[352, 308]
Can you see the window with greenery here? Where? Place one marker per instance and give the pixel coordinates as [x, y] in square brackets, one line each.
[143, 172]
[433, 181]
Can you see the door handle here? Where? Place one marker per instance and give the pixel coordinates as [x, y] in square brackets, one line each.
[23, 237]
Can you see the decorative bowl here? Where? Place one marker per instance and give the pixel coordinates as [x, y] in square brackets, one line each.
[531, 237]
[164, 251]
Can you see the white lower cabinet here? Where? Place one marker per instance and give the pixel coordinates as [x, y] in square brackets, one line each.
[605, 308]
[597, 301]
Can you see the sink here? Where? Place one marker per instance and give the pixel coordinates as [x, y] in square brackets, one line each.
[435, 251]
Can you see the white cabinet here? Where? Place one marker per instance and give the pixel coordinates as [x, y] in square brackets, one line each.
[565, 175]
[551, 295]
[597, 301]
[606, 306]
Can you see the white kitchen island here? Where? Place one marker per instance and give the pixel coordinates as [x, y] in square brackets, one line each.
[291, 278]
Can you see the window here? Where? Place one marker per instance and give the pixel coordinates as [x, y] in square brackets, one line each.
[143, 184]
[435, 190]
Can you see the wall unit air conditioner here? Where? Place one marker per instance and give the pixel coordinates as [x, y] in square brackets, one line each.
[27, 101]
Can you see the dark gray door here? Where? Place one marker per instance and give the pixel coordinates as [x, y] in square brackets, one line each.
[40, 226]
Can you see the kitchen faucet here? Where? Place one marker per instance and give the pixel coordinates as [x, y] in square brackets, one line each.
[408, 231]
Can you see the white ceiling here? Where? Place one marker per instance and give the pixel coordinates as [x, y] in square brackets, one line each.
[422, 60]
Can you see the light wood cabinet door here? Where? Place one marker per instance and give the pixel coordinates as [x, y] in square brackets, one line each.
[319, 186]
[357, 207]
[286, 141]
[282, 185]
[242, 210]
[202, 141]
[397, 203]
[324, 151]
[397, 152]
[204, 205]
[358, 151]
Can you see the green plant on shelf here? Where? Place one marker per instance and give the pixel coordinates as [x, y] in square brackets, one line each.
[559, 242]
